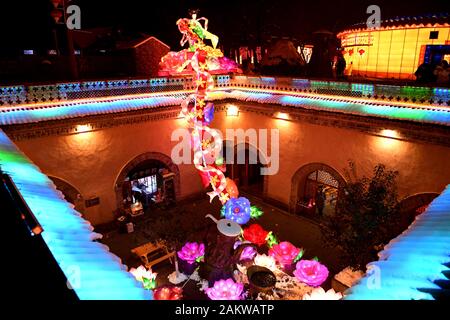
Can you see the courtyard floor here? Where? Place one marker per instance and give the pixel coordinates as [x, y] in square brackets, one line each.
[187, 222]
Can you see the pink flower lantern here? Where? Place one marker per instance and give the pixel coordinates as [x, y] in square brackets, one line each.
[284, 253]
[191, 252]
[311, 272]
[225, 290]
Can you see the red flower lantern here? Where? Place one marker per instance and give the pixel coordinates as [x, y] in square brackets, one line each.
[168, 293]
[255, 234]
[350, 52]
[361, 52]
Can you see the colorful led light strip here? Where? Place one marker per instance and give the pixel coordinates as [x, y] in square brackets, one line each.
[92, 271]
[413, 113]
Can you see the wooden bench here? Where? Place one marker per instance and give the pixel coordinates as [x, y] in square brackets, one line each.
[147, 249]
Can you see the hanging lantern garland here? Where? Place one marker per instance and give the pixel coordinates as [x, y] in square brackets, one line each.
[198, 111]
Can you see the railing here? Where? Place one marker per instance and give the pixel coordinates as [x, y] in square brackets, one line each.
[15, 95]
[415, 94]
[22, 94]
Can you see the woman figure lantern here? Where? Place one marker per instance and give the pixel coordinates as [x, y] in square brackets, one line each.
[183, 62]
[193, 30]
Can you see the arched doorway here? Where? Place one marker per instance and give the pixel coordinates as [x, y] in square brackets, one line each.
[245, 169]
[412, 206]
[315, 190]
[148, 179]
[71, 194]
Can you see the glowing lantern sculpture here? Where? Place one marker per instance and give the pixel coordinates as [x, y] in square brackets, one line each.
[271, 239]
[168, 293]
[225, 290]
[311, 272]
[191, 252]
[232, 189]
[320, 294]
[392, 51]
[248, 253]
[266, 261]
[196, 109]
[255, 234]
[255, 212]
[238, 210]
[147, 277]
[284, 253]
[199, 112]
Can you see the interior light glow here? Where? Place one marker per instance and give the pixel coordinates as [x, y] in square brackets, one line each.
[390, 52]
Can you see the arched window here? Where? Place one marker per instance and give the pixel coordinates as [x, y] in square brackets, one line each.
[321, 192]
[149, 178]
[315, 190]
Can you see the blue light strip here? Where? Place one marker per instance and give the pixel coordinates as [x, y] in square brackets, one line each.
[411, 261]
[93, 272]
[20, 115]
[343, 105]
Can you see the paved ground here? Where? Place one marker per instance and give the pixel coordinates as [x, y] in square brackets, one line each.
[187, 222]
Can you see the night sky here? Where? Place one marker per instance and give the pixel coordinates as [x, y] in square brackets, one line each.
[28, 23]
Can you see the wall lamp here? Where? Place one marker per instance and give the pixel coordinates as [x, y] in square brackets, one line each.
[282, 115]
[232, 111]
[388, 133]
[83, 128]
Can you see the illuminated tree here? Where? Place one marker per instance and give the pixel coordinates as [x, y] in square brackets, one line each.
[367, 216]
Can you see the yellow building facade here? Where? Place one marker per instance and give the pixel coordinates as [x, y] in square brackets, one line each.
[394, 51]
